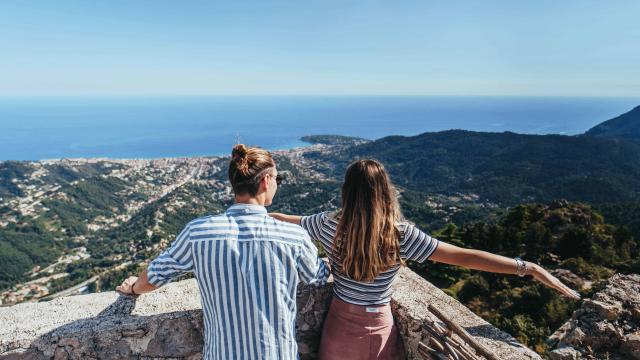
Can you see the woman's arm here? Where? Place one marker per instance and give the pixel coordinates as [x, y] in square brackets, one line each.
[136, 285]
[294, 219]
[482, 260]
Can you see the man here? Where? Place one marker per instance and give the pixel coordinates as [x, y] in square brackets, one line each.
[247, 266]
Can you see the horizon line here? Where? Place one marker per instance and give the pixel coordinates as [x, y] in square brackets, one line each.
[346, 95]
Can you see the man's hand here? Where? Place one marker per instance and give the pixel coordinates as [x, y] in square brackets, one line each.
[127, 285]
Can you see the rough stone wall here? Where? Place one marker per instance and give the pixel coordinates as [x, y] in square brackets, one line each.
[412, 295]
[167, 323]
[607, 326]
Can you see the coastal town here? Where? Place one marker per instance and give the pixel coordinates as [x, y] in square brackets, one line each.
[142, 184]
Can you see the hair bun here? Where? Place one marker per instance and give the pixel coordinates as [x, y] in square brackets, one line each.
[239, 151]
[238, 155]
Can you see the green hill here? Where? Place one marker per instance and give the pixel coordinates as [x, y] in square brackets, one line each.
[626, 125]
[507, 168]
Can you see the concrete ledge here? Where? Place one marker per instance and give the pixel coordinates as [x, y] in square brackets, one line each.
[168, 323]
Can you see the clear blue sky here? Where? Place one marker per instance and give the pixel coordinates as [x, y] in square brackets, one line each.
[563, 48]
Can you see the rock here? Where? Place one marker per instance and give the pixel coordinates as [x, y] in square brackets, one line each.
[565, 354]
[609, 311]
[631, 345]
[606, 326]
[574, 336]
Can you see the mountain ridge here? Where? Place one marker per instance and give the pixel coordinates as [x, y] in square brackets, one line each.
[626, 125]
[532, 167]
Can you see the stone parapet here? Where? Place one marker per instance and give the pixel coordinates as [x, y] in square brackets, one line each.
[167, 323]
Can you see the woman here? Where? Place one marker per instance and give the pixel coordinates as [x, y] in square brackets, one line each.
[247, 266]
[367, 241]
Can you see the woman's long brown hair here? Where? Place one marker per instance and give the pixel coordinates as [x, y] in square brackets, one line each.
[367, 240]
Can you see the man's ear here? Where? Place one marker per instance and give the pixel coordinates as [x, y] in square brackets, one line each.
[264, 184]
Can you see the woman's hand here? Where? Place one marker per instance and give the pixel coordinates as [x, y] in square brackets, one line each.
[543, 276]
[127, 285]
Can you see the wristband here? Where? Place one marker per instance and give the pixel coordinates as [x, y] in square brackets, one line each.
[132, 291]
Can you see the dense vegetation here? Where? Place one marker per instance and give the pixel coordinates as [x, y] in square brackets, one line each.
[24, 246]
[559, 236]
[624, 215]
[84, 200]
[10, 170]
[83, 193]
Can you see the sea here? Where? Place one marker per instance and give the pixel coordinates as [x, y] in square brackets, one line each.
[36, 128]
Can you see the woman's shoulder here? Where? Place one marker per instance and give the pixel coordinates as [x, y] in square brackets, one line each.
[404, 225]
[332, 215]
[330, 221]
[408, 231]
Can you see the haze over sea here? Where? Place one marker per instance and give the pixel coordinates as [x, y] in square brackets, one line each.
[33, 128]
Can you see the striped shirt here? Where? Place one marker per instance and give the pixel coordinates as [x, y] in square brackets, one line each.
[247, 266]
[414, 245]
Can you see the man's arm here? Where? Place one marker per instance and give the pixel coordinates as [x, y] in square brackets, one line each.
[171, 263]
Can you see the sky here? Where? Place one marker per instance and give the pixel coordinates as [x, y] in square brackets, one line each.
[300, 47]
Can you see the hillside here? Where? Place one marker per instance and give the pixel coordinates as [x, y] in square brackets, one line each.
[507, 168]
[570, 239]
[626, 125]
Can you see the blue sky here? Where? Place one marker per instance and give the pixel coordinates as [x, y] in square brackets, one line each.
[158, 47]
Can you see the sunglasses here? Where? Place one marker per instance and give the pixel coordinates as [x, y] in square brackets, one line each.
[278, 177]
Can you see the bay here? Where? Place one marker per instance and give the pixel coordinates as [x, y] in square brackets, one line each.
[34, 128]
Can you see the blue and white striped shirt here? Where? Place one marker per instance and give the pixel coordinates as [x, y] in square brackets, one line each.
[247, 266]
[415, 245]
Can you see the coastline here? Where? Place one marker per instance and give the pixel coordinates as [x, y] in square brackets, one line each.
[299, 144]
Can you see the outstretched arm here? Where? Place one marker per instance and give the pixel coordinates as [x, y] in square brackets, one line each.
[294, 219]
[482, 260]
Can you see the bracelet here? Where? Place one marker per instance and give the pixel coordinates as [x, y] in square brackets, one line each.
[521, 267]
[132, 291]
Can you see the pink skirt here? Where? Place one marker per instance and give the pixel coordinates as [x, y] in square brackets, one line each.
[360, 332]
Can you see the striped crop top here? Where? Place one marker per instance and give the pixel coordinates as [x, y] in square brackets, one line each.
[415, 245]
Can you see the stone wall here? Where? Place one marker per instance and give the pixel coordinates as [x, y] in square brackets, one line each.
[167, 323]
